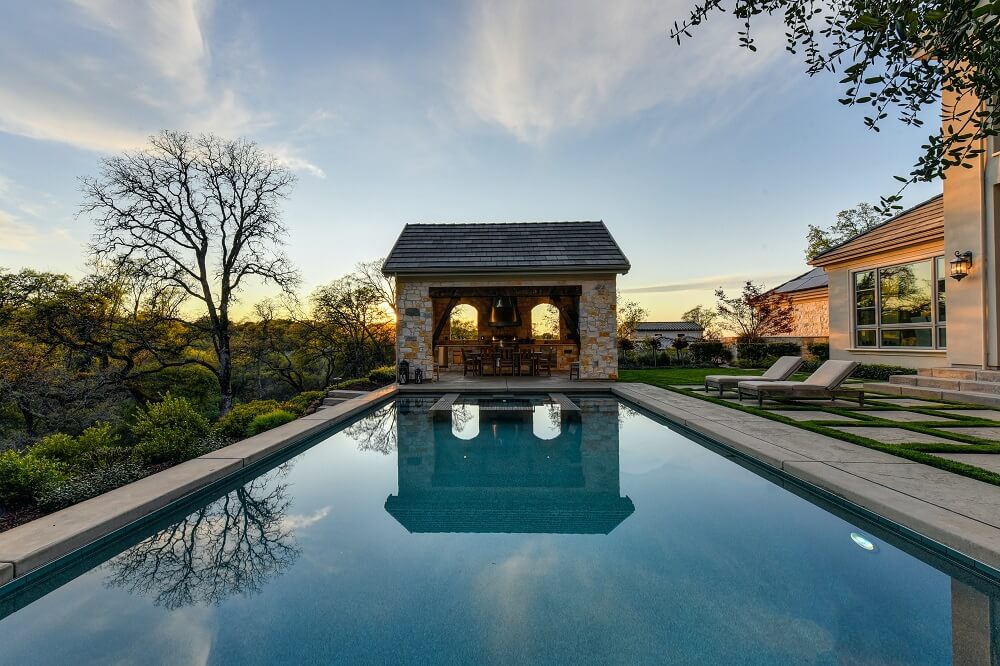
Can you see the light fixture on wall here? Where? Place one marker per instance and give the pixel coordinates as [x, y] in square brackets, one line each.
[961, 264]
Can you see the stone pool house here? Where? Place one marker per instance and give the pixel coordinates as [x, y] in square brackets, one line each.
[571, 265]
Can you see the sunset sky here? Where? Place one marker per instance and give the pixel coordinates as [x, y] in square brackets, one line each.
[706, 162]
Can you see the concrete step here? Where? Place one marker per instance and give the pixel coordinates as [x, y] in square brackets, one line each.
[903, 380]
[974, 397]
[949, 373]
[980, 387]
[988, 375]
[346, 395]
[330, 402]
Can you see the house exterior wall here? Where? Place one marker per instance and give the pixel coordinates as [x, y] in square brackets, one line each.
[841, 310]
[598, 316]
[811, 314]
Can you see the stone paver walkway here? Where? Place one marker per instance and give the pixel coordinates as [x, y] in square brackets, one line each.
[907, 417]
[990, 461]
[986, 432]
[811, 415]
[896, 435]
[990, 414]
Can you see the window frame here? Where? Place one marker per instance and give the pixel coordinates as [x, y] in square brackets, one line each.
[935, 326]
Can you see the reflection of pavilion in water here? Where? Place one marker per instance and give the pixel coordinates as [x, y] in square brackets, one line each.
[509, 467]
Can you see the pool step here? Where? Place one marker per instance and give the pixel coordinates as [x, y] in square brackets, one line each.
[565, 404]
[445, 403]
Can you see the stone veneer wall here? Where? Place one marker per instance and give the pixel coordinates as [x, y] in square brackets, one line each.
[811, 318]
[598, 318]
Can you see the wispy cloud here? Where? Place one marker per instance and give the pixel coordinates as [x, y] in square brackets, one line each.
[535, 68]
[724, 281]
[105, 74]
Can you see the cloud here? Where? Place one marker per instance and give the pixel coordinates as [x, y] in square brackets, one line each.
[296, 522]
[105, 74]
[535, 68]
[710, 283]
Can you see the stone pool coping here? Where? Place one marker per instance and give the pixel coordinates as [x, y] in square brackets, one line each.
[27, 547]
[958, 512]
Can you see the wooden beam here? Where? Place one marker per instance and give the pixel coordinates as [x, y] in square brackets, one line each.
[488, 292]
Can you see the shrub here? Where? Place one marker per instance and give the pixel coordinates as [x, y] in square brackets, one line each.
[300, 403]
[880, 372]
[68, 449]
[751, 353]
[777, 349]
[90, 484]
[58, 446]
[820, 350]
[234, 424]
[270, 420]
[170, 431]
[708, 351]
[383, 375]
[24, 478]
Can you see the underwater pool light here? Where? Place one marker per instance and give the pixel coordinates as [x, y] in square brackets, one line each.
[862, 541]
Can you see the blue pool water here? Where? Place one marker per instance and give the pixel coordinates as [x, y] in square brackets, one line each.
[506, 532]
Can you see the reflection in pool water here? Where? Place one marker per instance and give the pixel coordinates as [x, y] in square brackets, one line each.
[602, 537]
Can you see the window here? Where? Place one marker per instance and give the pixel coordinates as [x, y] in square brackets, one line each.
[464, 323]
[901, 306]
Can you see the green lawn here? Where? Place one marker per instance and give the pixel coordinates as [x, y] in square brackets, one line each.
[664, 377]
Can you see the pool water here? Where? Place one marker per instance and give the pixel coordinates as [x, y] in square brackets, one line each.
[507, 531]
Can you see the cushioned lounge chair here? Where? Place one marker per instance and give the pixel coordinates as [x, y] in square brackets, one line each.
[824, 383]
[782, 369]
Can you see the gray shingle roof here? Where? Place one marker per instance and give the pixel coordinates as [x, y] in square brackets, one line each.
[812, 280]
[650, 326]
[521, 246]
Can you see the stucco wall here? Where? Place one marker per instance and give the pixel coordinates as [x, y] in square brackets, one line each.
[598, 317]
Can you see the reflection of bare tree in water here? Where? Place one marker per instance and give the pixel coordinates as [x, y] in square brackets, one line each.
[625, 413]
[461, 416]
[232, 546]
[376, 432]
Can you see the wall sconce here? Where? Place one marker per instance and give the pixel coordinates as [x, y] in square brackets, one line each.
[961, 264]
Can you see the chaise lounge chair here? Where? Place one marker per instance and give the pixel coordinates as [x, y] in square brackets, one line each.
[782, 369]
[824, 383]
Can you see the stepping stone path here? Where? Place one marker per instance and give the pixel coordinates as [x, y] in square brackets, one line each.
[908, 417]
[991, 414]
[985, 432]
[897, 435]
[987, 461]
[811, 415]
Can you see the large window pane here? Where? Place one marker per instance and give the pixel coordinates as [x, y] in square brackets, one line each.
[906, 293]
[907, 337]
[942, 337]
[864, 299]
[942, 277]
[866, 338]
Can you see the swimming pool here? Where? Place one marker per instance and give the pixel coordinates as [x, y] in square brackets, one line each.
[506, 530]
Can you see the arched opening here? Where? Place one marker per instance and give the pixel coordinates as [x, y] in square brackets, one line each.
[464, 323]
[465, 421]
[546, 422]
[545, 322]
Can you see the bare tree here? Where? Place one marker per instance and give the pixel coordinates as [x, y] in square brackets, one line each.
[370, 274]
[755, 313]
[200, 214]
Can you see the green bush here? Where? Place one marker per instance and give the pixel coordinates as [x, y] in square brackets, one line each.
[270, 420]
[58, 446]
[777, 349]
[234, 424]
[383, 375]
[195, 383]
[90, 484]
[751, 354]
[820, 350]
[170, 431]
[25, 478]
[300, 403]
[68, 449]
[709, 351]
[880, 372]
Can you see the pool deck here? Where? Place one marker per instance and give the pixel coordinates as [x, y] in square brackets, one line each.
[959, 512]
